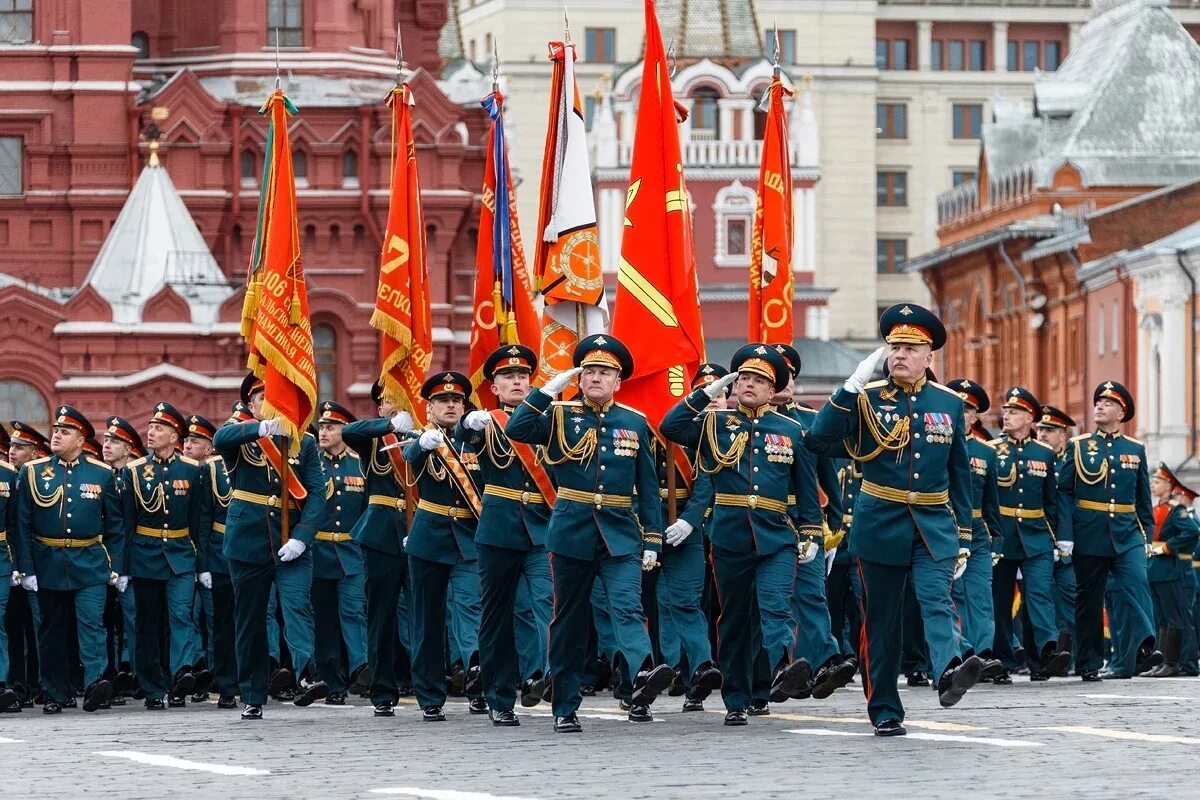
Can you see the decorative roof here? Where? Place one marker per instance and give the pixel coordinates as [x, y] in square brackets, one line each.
[153, 244]
[450, 44]
[724, 30]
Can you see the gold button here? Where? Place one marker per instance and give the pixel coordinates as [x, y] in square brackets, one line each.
[524, 497]
[752, 501]
[912, 497]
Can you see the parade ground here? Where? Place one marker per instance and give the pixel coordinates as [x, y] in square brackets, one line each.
[1063, 739]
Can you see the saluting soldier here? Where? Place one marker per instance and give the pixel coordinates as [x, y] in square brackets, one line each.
[26, 443]
[122, 444]
[253, 452]
[1054, 430]
[380, 533]
[9, 575]
[972, 590]
[1106, 532]
[756, 461]
[913, 513]
[600, 457]
[511, 542]
[442, 559]
[166, 553]
[339, 605]
[70, 546]
[1175, 536]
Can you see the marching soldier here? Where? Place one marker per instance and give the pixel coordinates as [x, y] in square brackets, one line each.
[841, 584]
[70, 546]
[121, 444]
[217, 600]
[913, 513]
[1053, 430]
[1105, 532]
[1175, 536]
[442, 559]
[253, 453]
[166, 553]
[26, 443]
[972, 590]
[339, 605]
[601, 457]
[9, 576]
[380, 534]
[511, 541]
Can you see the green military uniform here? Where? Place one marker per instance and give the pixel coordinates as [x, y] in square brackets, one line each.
[8, 479]
[841, 585]
[70, 542]
[1169, 568]
[22, 615]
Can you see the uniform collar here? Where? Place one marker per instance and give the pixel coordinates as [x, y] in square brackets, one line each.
[507, 409]
[154, 457]
[1102, 435]
[1015, 440]
[909, 388]
[73, 463]
[339, 456]
[605, 406]
[755, 412]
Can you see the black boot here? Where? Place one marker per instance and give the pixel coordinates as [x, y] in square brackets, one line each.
[1064, 646]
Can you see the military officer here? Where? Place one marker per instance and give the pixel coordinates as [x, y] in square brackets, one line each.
[600, 457]
[914, 505]
[1175, 536]
[756, 461]
[253, 452]
[1054, 429]
[121, 444]
[167, 553]
[442, 560]
[339, 604]
[1106, 533]
[841, 584]
[972, 590]
[70, 546]
[26, 443]
[380, 533]
[9, 700]
[511, 540]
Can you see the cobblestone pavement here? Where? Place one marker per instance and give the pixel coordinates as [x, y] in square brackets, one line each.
[1061, 739]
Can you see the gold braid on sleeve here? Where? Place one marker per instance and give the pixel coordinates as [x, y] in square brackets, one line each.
[723, 459]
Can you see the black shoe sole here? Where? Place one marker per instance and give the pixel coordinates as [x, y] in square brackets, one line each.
[514, 723]
[532, 698]
[794, 679]
[736, 722]
[280, 682]
[965, 676]
[184, 685]
[1058, 663]
[836, 678]
[576, 728]
[101, 693]
[311, 694]
[711, 681]
[657, 682]
[899, 730]
[1151, 661]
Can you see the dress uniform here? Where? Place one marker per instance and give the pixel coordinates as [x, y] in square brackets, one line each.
[510, 540]
[217, 601]
[972, 591]
[442, 560]
[1103, 472]
[166, 548]
[253, 456]
[756, 461]
[8, 479]
[22, 619]
[1057, 420]
[339, 605]
[70, 545]
[380, 534]
[600, 457]
[841, 584]
[1174, 540]
[122, 647]
[913, 512]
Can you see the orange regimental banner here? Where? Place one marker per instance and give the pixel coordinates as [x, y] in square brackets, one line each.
[402, 301]
[657, 310]
[504, 312]
[275, 320]
[567, 269]
[771, 279]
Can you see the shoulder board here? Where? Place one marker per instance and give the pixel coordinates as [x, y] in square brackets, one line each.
[786, 417]
[193, 462]
[876, 384]
[1045, 446]
[629, 408]
[308, 435]
[7, 466]
[136, 462]
[1135, 441]
[353, 454]
[995, 441]
[213, 459]
[98, 463]
[944, 388]
[567, 403]
[1081, 437]
[803, 410]
[37, 461]
[990, 445]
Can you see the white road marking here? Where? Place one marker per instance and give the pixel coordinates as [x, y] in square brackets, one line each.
[913, 723]
[1176, 698]
[615, 716]
[933, 737]
[1109, 733]
[4, 740]
[444, 794]
[157, 760]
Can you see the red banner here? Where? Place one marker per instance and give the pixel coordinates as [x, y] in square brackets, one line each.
[771, 279]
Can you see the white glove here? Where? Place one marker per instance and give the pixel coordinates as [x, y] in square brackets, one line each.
[270, 427]
[402, 422]
[477, 420]
[560, 381]
[865, 369]
[29, 583]
[677, 531]
[717, 387]
[122, 583]
[649, 559]
[291, 550]
[1020, 577]
[960, 564]
[830, 555]
[807, 551]
[112, 578]
[404, 543]
[15, 580]
[1149, 550]
[1066, 548]
[996, 558]
[1057, 555]
[431, 439]
[205, 579]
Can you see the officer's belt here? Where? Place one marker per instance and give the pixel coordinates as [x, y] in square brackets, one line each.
[976, 513]
[847, 519]
[1111, 508]
[597, 500]
[219, 527]
[681, 493]
[261, 499]
[162, 533]
[1022, 513]
[332, 536]
[386, 501]
[901, 496]
[71, 543]
[513, 494]
[750, 501]
[445, 511]
[1185, 556]
[3, 536]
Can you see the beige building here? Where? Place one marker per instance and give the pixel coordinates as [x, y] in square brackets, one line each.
[900, 91]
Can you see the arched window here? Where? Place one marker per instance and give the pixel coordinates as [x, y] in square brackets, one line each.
[310, 237]
[350, 169]
[325, 355]
[300, 168]
[249, 168]
[19, 400]
[734, 213]
[141, 41]
[705, 119]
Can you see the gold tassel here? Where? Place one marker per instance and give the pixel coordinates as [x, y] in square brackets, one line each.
[249, 306]
[294, 314]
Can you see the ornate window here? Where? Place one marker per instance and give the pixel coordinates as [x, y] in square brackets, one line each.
[734, 214]
[285, 16]
[325, 356]
[705, 115]
[19, 400]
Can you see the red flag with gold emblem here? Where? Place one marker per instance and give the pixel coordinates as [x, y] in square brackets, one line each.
[275, 320]
[657, 310]
[771, 279]
[503, 311]
[402, 301]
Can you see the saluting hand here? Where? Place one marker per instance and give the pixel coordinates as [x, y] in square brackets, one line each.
[559, 382]
[866, 368]
[717, 387]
